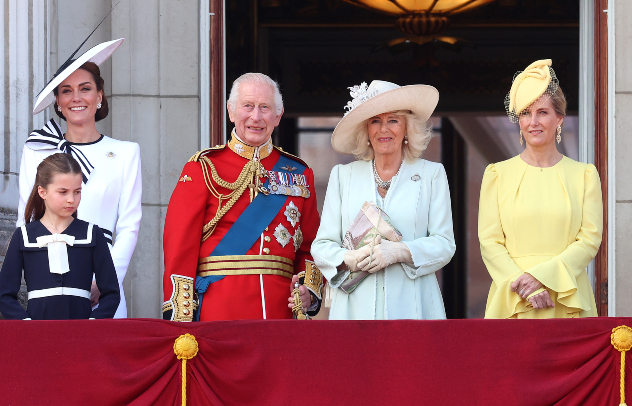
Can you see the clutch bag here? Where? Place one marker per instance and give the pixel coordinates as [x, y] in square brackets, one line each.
[370, 222]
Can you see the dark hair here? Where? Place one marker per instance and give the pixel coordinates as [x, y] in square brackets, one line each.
[49, 167]
[93, 69]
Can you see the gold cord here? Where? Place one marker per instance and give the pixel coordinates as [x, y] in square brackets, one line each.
[622, 382]
[249, 177]
[185, 347]
[297, 309]
[621, 339]
[184, 382]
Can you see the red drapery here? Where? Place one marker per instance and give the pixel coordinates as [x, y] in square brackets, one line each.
[453, 362]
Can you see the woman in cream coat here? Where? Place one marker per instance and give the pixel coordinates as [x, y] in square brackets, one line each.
[386, 130]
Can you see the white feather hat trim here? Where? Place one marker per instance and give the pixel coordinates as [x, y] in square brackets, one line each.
[378, 98]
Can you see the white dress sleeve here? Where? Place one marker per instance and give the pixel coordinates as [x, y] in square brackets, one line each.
[26, 179]
[129, 214]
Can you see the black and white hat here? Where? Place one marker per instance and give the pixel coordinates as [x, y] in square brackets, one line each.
[97, 54]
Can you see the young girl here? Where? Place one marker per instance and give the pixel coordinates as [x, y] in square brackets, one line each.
[58, 252]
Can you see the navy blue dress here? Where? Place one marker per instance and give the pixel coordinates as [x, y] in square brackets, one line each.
[47, 301]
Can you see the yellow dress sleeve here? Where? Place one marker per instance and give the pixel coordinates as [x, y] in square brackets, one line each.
[501, 302]
[561, 273]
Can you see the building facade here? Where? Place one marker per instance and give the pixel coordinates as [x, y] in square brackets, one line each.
[167, 93]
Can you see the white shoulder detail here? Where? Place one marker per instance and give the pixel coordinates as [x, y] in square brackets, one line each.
[88, 238]
[25, 237]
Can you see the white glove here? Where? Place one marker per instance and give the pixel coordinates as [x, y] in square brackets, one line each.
[352, 257]
[385, 253]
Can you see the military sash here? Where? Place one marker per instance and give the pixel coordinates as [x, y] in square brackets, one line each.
[251, 223]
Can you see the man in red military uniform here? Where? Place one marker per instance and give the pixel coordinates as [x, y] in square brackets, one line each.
[241, 221]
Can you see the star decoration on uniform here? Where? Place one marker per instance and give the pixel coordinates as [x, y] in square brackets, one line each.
[292, 214]
[282, 235]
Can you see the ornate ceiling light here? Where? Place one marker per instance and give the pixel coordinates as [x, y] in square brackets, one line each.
[422, 18]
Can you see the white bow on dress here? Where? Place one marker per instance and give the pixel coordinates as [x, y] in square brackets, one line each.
[57, 251]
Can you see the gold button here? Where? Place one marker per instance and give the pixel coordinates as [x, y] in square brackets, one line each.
[266, 228]
[186, 303]
[266, 238]
[186, 312]
[185, 286]
[186, 295]
[266, 251]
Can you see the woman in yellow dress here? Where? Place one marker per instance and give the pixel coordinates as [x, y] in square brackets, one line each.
[540, 214]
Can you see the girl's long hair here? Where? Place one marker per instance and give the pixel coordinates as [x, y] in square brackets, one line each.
[49, 167]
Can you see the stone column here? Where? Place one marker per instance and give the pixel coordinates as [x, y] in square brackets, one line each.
[155, 102]
[621, 150]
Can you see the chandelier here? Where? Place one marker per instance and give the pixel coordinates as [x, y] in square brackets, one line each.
[422, 18]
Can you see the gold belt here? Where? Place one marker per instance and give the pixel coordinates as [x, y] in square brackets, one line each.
[246, 265]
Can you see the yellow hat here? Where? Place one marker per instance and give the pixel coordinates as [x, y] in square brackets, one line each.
[528, 85]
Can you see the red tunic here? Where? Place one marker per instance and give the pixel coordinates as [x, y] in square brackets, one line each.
[192, 206]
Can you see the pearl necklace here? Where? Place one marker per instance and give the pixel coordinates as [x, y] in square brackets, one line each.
[380, 183]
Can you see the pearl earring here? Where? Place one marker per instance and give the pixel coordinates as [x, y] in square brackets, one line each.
[58, 108]
[368, 142]
[99, 105]
[405, 139]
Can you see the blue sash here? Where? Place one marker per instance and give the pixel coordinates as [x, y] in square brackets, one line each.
[247, 229]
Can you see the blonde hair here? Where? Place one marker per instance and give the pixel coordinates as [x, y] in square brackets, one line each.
[558, 100]
[419, 135]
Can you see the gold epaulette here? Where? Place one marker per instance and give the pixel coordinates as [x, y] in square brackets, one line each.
[287, 154]
[198, 154]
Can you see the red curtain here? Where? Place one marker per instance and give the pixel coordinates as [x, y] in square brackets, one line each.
[448, 362]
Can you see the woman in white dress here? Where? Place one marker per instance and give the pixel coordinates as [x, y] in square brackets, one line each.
[111, 194]
[386, 130]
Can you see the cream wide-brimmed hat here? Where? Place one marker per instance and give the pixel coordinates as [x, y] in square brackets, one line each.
[378, 98]
[97, 54]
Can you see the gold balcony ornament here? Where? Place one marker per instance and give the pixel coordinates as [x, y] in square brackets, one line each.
[621, 339]
[185, 347]
[423, 19]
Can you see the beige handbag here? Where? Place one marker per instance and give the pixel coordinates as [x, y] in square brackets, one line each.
[370, 222]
